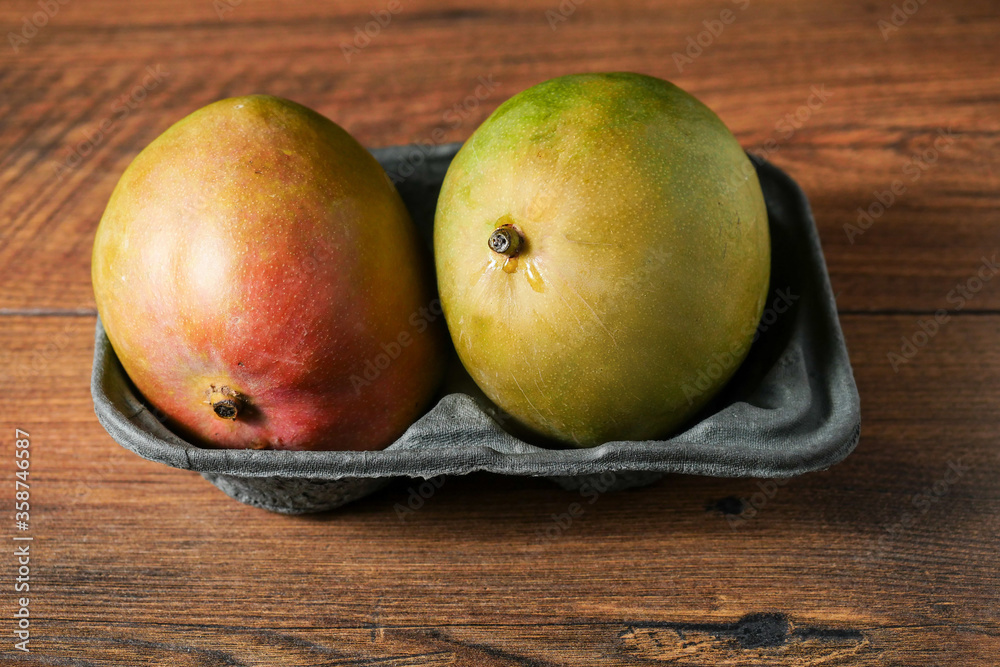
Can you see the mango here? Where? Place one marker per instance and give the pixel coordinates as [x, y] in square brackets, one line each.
[261, 282]
[603, 257]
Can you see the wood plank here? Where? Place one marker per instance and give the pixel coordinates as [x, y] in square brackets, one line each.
[141, 564]
[887, 99]
[889, 558]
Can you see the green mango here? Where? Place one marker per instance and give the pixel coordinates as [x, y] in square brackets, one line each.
[603, 257]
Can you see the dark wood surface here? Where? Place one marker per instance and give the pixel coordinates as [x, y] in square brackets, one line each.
[889, 558]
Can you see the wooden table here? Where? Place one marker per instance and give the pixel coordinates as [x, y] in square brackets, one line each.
[889, 558]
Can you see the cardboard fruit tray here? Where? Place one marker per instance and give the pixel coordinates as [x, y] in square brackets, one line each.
[791, 408]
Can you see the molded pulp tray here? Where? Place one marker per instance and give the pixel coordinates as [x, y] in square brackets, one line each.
[792, 407]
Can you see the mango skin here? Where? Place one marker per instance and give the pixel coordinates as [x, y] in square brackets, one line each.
[646, 260]
[256, 245]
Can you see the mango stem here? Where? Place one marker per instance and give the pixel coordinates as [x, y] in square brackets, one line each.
[225, 402]
[506, 240]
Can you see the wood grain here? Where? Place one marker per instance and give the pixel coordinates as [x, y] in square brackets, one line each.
[143, 564]
[887, 559]
[885, 102]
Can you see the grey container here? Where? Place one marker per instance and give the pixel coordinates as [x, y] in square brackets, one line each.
[791, 408]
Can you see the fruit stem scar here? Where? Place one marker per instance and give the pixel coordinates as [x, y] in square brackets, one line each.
[225, 402]
[506, 240]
